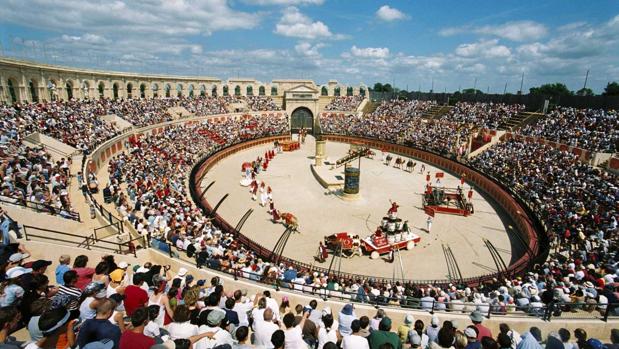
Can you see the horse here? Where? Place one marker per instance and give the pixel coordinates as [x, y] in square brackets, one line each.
[398, 163]
[388, 159]
[290, 221]
[410, 166]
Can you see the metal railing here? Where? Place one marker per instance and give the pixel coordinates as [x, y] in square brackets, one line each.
[87, 242]
[559, 310]
[42, 207]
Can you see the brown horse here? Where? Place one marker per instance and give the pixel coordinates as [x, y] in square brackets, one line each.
[290, 221]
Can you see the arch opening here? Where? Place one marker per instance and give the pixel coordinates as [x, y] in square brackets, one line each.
[302, 118]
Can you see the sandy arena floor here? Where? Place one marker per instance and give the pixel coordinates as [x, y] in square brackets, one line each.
[321, 213]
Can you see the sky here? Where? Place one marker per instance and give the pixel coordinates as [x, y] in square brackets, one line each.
[412, 44]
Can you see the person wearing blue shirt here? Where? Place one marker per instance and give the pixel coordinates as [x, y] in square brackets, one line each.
[62, 268]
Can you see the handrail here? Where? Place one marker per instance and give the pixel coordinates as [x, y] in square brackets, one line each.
[545, 312]
[88, 241]
[46, 208]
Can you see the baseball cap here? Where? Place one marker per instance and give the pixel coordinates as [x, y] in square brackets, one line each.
[18, 257]
[215, 317]
[17, 272]
[117, 275]
[123, 265]
[386, 321]
[470, 333]
[182, 272]
[38, 264]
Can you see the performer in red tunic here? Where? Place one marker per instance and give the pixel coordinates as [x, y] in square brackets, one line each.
[393, 210]
[470, 195]
[428, 178]
[275, 215]
[323, 254]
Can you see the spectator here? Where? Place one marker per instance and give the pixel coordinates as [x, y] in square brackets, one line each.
[355, 340]
[100, 327]
[62, 268]
[135, 337]
[294, 333]
[383, 335]
[482, 331]
[135, 296]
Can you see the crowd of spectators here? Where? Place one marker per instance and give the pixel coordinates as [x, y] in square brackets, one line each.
[400, 122]
[113, 304]
[402, 108]
[261, 103]
[147, 184]
[592, 129]
[483, 115]
[345, 103]
[76, 123]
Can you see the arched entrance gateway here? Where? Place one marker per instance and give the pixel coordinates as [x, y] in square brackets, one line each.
[302, 118]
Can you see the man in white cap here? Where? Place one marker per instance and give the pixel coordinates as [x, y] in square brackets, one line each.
[471, 338]
[182, 273]
[432, 331]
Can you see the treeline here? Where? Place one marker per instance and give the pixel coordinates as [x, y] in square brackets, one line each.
[555, 89]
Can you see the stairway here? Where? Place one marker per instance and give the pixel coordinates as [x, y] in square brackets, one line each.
[436, 112]
[519, 120]
[370, 107]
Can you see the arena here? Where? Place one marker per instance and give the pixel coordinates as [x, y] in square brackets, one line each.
[168, 211]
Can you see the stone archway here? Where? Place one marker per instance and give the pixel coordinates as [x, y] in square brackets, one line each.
[302, 118]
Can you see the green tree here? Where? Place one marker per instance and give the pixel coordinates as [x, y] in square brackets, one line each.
[378, 87]
[556, 89]
[387, 88]
[612, 89]
[585, 92]
[471, 91]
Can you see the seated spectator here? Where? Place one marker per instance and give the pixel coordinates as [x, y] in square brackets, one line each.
[100, 327]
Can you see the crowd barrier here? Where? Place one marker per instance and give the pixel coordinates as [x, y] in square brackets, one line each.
[524, 224]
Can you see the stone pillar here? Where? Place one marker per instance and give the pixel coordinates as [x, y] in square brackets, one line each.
[321, 152]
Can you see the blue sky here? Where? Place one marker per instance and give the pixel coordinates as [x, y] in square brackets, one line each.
[409, 42]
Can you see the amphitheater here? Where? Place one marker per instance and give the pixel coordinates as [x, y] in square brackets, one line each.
[504, 239]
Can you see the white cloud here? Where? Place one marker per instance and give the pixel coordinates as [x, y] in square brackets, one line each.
[514, 31]
[389, 14]
[284, 2]
[370, 52]
[295, 24]
[483, 48]
[307, 49]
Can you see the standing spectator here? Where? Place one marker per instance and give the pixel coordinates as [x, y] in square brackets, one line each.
[326, 333]
[62, 268]
[294, 334]
[135, 338]
[345, 318]
[135, 296]
[406, 328]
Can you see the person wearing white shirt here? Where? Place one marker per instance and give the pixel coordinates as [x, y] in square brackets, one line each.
[220, 336]
[355, 341]
[294, 334]
[272, 304]
[327, 333]
[242, 308]
[264, 330]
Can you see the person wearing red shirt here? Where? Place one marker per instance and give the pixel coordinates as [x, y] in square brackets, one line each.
[135, 297]
[482, 331]
[84, 273]
[135, 338]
